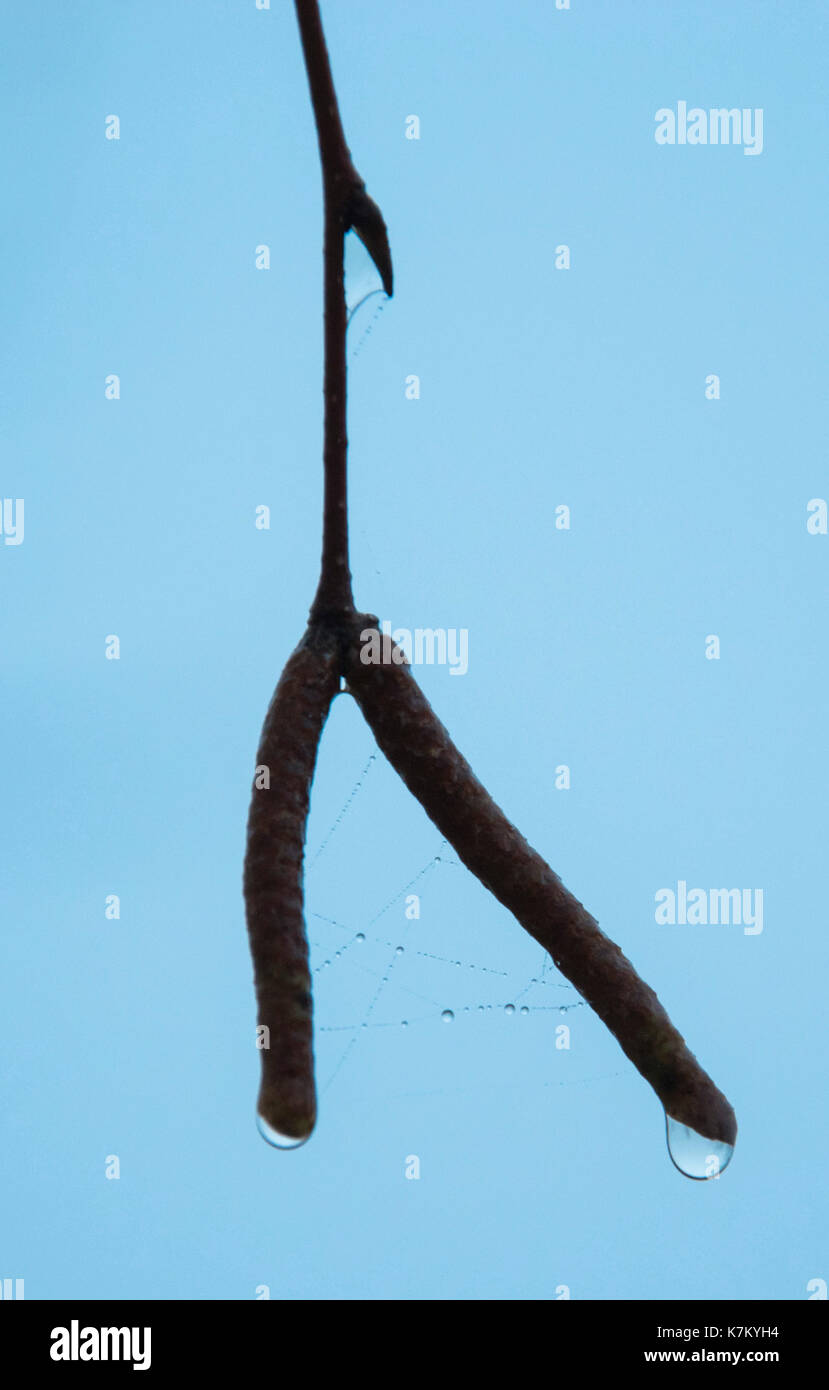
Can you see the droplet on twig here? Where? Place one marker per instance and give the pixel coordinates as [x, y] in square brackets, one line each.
[364, 292]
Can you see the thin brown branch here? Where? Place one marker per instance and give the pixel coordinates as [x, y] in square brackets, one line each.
[346, 205]
[335, 157]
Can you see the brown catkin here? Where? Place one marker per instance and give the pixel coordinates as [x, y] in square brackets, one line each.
[420, 749]
[273, 882]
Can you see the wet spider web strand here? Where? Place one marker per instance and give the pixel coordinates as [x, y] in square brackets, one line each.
[438, 1010]
[345, 808]
[395, 964]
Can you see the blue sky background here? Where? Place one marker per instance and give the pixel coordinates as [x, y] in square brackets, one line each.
[539, 1167]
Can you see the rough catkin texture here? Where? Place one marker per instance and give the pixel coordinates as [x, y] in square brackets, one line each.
[273, 882]
[420, 749]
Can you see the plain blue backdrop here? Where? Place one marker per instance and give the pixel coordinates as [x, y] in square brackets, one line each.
[540, 1168]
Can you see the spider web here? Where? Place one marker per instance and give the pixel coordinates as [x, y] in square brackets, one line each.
[388, 964]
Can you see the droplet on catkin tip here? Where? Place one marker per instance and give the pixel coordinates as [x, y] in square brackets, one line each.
[275, 1139]
[694, 1155]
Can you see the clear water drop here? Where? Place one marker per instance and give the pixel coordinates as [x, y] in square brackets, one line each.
[360, 937]
[275, 1139]
[363, 287]
[694, 1155]
[524, 1009]
[405, 1023]
[448, 1016]
[481, 1009]
[509, 1008]
[398, 950]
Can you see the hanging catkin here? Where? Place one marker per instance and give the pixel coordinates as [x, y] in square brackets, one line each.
[273, 883]
[419, 748]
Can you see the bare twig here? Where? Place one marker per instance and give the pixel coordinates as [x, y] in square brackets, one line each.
[417, 745]
[346, 205]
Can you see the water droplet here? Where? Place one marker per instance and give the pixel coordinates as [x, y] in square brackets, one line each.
[509, 1009]
[364, 1025]
[524, 1009]
[693, 1154]
[360, 937]
[481, 1009]
[448, 1016]
[405, 1023]
[364, 292]
[437, 858]
[398, 950]
[278, 1141]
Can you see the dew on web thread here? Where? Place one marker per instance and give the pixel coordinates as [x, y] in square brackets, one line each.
[345, 808]
[694, 1156]
[351, 952]
[347, 951]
